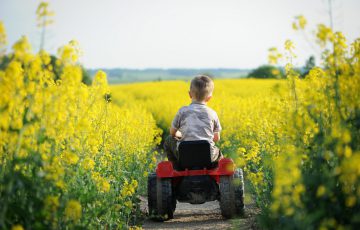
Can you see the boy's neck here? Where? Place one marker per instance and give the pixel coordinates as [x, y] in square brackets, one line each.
[198, 102]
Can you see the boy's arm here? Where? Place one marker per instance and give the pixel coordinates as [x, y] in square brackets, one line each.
[175, 126]
[175, 133]
[217, 128]
[216, 137]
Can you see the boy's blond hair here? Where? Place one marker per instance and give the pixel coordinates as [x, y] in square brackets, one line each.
[201, 87]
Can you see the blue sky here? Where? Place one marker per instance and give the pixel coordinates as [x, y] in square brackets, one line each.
[177, 33]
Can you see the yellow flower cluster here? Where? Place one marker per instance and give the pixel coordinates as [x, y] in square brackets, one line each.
[320, 155]
[44, 14]
[324, 34]
[73, 210]
[128, 189]
[52, 203]
[17, 227]
[299, 23]
[274, 56]
[69, 138]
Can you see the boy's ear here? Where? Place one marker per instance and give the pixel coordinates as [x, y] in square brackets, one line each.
[208, 98]
[190, 94]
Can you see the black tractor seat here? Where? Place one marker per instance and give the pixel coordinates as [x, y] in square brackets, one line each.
[195, 155]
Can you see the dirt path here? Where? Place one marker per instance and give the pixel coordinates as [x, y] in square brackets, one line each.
[205, 216]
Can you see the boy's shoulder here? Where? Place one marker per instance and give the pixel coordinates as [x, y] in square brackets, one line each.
[197, 108]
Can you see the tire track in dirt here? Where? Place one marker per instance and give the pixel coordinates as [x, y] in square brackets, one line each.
[204, 216]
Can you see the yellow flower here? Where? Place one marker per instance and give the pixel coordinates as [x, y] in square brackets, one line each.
[15, 71]
[70, 158]
[289, 211]
[134, 184]
[274, 56]
[347, 151]
[45, 57]
[346, 136]
[69, 53]
[128, 189]
[100, 78]
[51, 203]
[128, 204]
[320, 191]
[324, 34]
[289, 45]
[44, 14]
[302, 21]
[73, 210]
[350, 201]
[60, 184]
[294, 26]
[17, 227]
[88, 163]
[104, 186]
[22, 49]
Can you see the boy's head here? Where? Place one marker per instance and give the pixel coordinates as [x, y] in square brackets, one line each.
[201, 88]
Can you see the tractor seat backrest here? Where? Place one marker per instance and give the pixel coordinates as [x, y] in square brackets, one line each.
[194, 154]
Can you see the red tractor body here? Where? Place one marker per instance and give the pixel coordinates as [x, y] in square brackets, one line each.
[195, 180]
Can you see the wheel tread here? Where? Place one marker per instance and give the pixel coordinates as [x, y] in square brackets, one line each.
[161, 200]
[232, 195]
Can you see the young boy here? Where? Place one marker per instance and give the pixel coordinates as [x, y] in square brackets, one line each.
[196, 121]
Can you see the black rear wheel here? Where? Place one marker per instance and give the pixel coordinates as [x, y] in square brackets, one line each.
[227, 197]
[238, 183]
[232, 194]
[161, 201]
[152, 194]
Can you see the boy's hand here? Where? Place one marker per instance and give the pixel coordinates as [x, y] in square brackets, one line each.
[216, 137]
[178, 135]
[175, 133]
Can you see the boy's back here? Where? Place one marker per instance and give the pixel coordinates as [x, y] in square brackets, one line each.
[197, 122]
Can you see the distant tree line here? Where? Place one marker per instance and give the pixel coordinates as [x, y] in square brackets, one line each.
[270, 71]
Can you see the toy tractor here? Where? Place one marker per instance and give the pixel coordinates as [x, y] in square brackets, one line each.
[196, 180]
